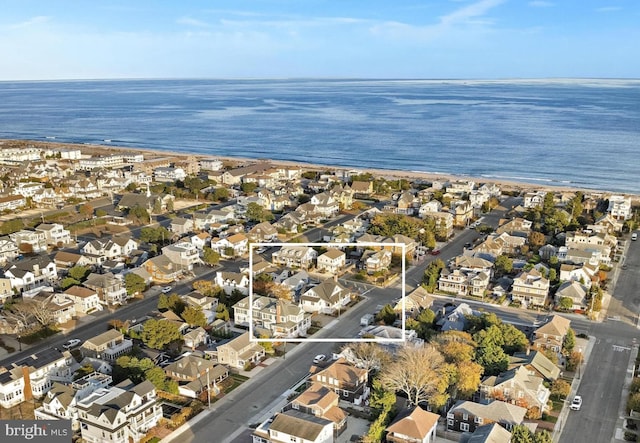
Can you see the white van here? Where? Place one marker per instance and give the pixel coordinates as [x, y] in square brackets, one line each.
[634, 236]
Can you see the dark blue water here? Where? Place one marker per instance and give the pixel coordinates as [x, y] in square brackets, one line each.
[576, 133]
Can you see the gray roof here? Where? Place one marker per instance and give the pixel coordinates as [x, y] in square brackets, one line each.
[299, 424]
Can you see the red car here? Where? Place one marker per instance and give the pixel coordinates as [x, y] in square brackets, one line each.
[435, 252]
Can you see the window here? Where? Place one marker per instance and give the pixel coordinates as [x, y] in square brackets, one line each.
[450, 422]
[465, 416]
[478, 420]
[464, 427]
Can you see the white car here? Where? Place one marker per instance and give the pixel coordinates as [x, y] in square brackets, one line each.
[70, 344]
[166, 289]
[319, 358]
[576, 403]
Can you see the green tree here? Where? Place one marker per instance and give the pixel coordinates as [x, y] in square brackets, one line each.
[132, 368]
[503, 265]
[565, 303]
[432, 274]
[257, 213]
[100, 213]
[514, 339]
[172, 302]
[79, 272]
[150, 234]
[492, 358]
[220, 194]
[134, 283]
[248, 187]
[569, 342]
[158, 334]
[222, 312]
[553, 275]
[381, 398]
[386, 315]
[542, 437]
[521, 434]
[139, 213]
[548, 206]
[210, 257]
[67, 282]
[194, 316]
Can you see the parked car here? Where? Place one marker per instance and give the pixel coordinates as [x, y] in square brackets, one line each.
[166, 289]
[576, 403]
[319, 358]
[435, 252]
[72, 343]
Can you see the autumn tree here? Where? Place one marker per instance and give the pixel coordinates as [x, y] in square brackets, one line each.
[281, 292]
[206, 287]
[222, 312]
[86, 211]
[467, 378]
[158, 334]
[417, 372]
[194, 316]
[536, 240]
[560, 389]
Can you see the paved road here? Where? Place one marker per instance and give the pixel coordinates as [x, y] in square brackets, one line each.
[603, 377]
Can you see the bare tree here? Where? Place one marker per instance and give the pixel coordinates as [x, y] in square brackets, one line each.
[40, 308]
[21, 315]
[417, 372]
[367, 355]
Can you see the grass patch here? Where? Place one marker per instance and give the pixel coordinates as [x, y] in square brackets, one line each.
[549, 418]
[557, 405]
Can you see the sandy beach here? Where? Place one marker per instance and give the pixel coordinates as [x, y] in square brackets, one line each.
[505, 185]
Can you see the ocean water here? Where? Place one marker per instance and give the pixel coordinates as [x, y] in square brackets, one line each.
[580, 133]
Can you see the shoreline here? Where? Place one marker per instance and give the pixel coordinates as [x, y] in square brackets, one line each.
[150, 153]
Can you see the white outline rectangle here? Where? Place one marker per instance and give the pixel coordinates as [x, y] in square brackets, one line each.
[254, 339]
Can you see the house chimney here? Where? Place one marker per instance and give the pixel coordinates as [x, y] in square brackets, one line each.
[528, 350]
[28, 394]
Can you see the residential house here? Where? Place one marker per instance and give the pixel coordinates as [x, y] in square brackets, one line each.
[492, 433]
[110, 288]
[414, 303]
[230, 281]
[6, 292]
[443, 221]
[345, 379]
[59, 308]
[455, 317]
[294, 426]
[534, 199]
[12, 202]
[329, 297]
[116, 248]
[377, 261]
[619, 207]
[33, 376]
[295, 256]
[466, 416]
[531, 288]
[239, 352]
[182, 254]
[30, 241]
[462, 212]
[8, 250]
[413, 426]
[55, 234]
[574, 291]
[32, 273]
[195, 337]
[517, 386]
[147, 201]
[362, 189]
[320, 401]
[168, 174]
[61, 400]
[233, 246]
[332, 261]
[473, 264]
[121, 414]
[584, 274]
[272, 317]
[107, 346]
[551, 334]
[181, 226]
[85, 300]
[537, 363]
[162, 269]
[519, 227]
[195, 374]
[201, 240]
[325, 204]
[263, 233]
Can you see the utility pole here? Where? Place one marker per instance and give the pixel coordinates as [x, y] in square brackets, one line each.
[208, 391]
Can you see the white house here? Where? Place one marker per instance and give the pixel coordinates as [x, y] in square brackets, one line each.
[295, 256]
[332, 261]
[55, 234]
[328, 297]
[229, 281]
[85, 300]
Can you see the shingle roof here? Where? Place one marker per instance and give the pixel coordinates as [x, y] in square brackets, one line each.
[415, 424]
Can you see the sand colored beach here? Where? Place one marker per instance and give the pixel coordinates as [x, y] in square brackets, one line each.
[505, 185]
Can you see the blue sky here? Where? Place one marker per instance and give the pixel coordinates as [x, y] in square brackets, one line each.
[64, 39]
